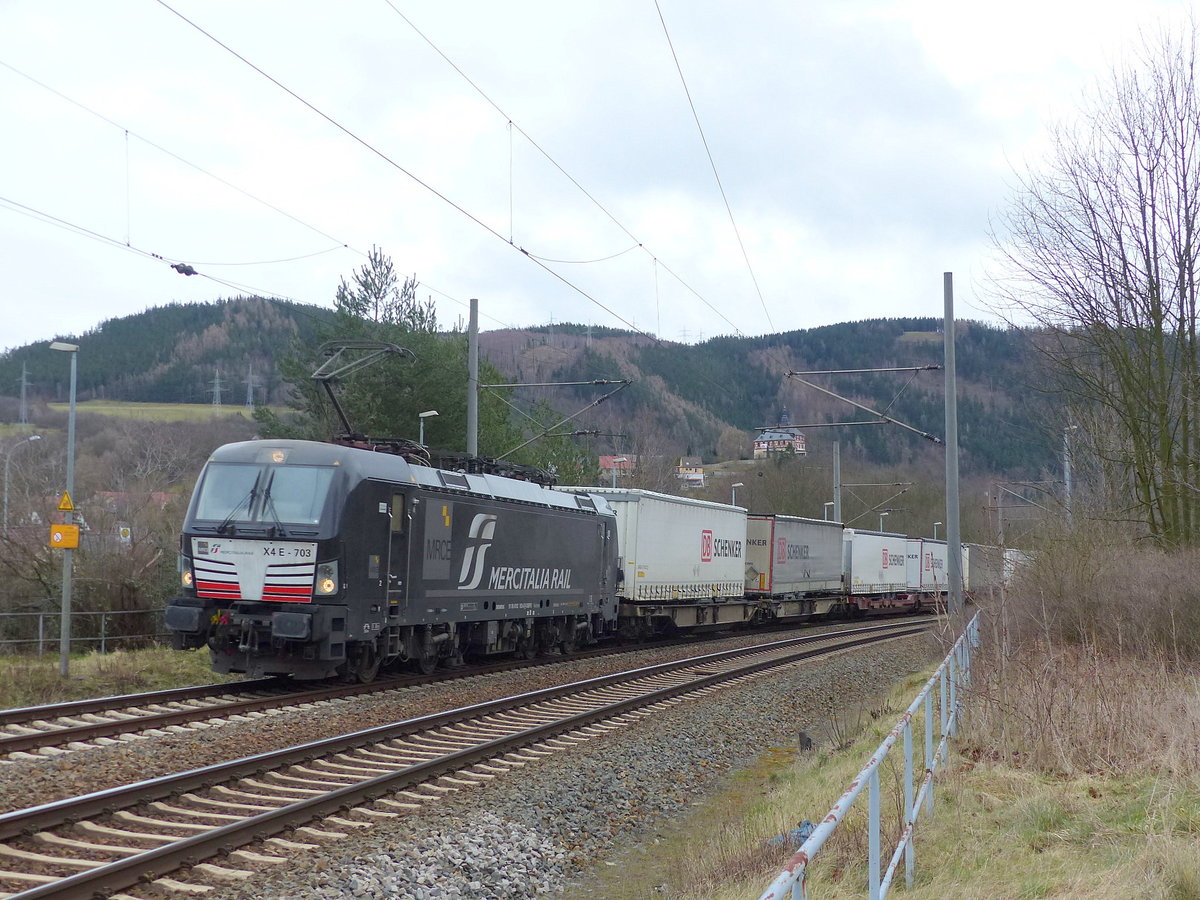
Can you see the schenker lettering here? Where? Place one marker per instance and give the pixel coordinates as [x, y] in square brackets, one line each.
[518, 578]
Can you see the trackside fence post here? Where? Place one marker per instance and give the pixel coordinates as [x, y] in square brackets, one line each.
[929, 745]
[908, 800]
[953, 673]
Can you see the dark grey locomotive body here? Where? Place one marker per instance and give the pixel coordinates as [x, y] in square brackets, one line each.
[315, 559]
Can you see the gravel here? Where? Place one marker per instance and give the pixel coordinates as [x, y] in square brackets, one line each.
[533, 831]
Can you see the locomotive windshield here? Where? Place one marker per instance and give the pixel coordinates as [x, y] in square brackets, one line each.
[255, 493]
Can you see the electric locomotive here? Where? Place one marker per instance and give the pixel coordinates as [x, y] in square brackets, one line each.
[318, 560]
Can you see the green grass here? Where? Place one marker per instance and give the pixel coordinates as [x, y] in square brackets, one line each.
[34, 680]
[157, 412]
[12, 430]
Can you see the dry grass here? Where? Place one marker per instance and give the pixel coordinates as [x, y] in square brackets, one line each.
[1078, 771]
[1072, 710]
[33, 681]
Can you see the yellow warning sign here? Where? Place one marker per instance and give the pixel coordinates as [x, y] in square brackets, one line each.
[64, 537]
[65, 503]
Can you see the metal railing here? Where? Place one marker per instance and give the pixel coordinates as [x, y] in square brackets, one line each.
[951, 676]
[34, 632]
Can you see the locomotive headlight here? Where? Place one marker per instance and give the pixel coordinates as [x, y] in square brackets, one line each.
[186, 578]
[327, 579]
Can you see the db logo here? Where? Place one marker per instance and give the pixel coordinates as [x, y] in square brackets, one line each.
[885, 557]
[706, 546]
[781, 550]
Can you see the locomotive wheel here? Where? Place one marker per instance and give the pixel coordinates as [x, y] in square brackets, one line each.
[367, 668]
[569, 642]
[427, 663]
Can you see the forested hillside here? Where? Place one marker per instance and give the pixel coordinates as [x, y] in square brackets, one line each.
[702, 399]
[173, 354]
[694, 394]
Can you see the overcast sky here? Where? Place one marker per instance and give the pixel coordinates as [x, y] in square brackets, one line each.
[863, 146]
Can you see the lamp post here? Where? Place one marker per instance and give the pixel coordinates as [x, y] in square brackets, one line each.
[64, 637]
[7, 460]
[935, 528]
[733, 492]
[828, 507]
[421, 417]
[616, 460]
[882, 516]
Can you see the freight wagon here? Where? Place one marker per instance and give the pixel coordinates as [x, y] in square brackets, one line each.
[793, 565]
[682, 561]
[876, 567]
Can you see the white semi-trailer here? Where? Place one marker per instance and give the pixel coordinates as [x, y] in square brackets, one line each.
[675, 551]
[876, 569]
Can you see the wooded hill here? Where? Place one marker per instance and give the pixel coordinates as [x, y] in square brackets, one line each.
[702, 400]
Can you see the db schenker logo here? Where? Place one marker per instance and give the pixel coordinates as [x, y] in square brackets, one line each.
[706, 546]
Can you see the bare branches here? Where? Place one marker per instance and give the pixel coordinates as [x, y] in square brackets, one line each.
[1100, 249]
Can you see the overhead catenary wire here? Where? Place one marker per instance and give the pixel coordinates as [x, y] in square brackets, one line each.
[127, 243]
[391, 162]
[59, 222]
[513, 126]
[712, 162]
[582, 262]
[176, 157]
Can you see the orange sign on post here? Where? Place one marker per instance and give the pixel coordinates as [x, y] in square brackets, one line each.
[64, 537]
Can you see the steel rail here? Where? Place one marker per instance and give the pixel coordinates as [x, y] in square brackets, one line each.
[55, 736]
[22, 715]
[51, 735]
[115, 876]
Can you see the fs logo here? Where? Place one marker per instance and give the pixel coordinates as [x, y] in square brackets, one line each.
[706, 546]
[480, 534]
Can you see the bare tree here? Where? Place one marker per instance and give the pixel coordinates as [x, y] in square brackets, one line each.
[1100, 249]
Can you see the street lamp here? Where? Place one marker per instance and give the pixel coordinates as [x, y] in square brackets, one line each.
[64, 636]
[7, 460]
[421, 417]
[617, 459]
[882, 516]
[935, 528]
[733, 492]
[828, 507]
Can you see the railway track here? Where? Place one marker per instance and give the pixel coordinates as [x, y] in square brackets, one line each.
[254, 811]
[79, 724]
[73, 725]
